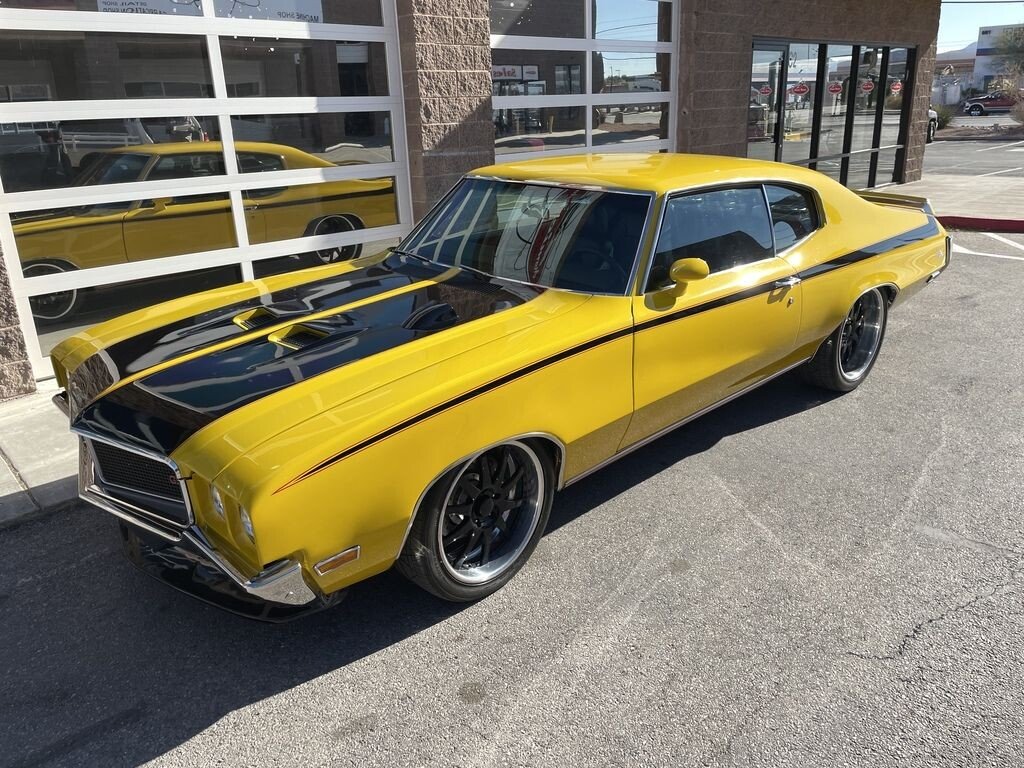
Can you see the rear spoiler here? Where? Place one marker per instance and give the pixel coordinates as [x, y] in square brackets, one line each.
[898, 201]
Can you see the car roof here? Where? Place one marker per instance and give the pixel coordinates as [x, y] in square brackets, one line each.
[658, 173]
[193, 147]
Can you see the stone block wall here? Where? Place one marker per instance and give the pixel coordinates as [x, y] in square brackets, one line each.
[15, 371]
[446, 73]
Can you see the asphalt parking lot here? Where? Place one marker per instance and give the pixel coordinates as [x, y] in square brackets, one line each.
[797, 579]
[975, 158]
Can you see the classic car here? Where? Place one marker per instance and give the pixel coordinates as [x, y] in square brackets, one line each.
[113, 233]
[267, 445]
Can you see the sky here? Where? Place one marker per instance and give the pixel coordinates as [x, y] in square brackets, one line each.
[958, 25]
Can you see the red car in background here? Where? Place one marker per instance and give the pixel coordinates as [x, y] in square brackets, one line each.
[1000, 101]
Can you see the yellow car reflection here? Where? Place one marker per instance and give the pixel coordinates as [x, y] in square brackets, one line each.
[116, 233]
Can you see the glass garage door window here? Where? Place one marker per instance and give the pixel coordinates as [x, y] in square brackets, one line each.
[139, 164]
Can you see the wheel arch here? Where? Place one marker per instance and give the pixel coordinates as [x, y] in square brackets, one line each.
[552, 446]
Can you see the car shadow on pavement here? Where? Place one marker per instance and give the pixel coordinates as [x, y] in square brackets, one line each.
[103, 665]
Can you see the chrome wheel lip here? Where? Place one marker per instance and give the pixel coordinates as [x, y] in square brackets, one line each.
[866, 318]
[335, 254]
[72, 294]
[524, 534]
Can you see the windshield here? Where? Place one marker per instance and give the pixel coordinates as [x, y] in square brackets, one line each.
[116, 168]
[558, 237]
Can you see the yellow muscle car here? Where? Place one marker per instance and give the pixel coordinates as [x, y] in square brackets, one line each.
[269, 444]
[113, 233]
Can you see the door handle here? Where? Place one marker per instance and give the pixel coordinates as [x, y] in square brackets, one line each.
[788, 282]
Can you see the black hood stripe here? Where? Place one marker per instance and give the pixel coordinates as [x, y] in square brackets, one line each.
[921, 233]
[162, 410]
[181, 337]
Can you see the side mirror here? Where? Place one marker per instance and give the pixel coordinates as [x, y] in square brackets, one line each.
[686, 271]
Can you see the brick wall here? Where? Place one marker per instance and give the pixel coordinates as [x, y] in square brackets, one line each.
[716, 37]
[446, 73]
[15, 371]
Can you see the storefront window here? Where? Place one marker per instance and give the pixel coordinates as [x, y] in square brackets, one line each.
[631, 123]
[798, 102]
[632, 20]
[867, 95]
[322, 68]
[837, 90]
[67, 153]
[539, 129]
[538, 18]
[365, 12]
[285, 142]
[536, 73]
[104, 234]
[59, 314]
[333, 207]
[895, 87]
[762, 105]
[59, 66]
[630, 72]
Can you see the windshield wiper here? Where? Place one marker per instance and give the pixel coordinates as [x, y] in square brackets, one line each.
[400, 252]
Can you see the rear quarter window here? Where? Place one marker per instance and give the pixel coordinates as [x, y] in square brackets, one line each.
[794, 214]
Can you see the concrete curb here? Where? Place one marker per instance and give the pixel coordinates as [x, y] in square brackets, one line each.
[975, 138]
[982, 224]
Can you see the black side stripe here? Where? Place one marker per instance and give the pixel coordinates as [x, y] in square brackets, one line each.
[921, 233]
[458, 400]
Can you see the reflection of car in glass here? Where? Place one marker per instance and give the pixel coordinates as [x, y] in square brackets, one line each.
[1000, 101]
[115, 233]
[267, 446]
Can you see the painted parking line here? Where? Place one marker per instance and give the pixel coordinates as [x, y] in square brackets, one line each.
[967, 251]
[1004, 240]
[1000, 146]
[1005, 170]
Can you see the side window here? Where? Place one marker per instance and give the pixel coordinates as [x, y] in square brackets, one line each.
[187, 166]
[725, 227]
[250, 162]
[794, 215]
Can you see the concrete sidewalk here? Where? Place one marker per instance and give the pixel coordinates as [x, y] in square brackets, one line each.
[38, 456]
[971, 202]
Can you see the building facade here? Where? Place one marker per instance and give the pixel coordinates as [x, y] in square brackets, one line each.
[988, 68]
[150, 149]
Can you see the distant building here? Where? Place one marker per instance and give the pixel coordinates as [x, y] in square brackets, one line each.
[953, 75]
[986, 68]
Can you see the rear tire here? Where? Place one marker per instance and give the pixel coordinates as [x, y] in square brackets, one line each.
[847, 356]
[479, 524]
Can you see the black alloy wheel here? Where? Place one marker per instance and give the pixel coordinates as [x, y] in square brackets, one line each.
[847, 356]
[480, 523]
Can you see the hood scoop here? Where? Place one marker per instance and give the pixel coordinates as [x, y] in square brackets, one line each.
[434, 317]
[314, 332]
[260, 317]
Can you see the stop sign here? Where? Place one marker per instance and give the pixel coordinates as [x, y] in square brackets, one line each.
[800, 89]
[896, 87]
[835, 87]
[867, 86]
[766, 90]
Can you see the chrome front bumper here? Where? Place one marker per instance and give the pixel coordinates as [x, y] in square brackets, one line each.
[181, 556]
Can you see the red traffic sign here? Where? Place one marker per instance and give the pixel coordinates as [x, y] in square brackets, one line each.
[835, 87]
[896, 87]
[867, 86]
[766, 90]
[799, 89]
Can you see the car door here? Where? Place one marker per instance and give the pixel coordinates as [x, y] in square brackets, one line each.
[711, 338]
[178, 225]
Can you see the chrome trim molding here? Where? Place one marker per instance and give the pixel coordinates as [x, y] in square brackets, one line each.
[559, 483]
[281, 582]
[665, 430]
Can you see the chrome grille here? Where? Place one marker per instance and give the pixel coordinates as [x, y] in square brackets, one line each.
[146, 483]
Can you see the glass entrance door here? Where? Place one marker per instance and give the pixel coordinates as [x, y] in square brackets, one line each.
[764, 107]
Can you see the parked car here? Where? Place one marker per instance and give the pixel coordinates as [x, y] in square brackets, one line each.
[933, 125]
[113, 233]
[1000, 101]
[268, 445]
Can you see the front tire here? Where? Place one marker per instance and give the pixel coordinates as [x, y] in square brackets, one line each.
[847, 356]
[52, 307]
[932, 127]
[479, 524]
[977, 111]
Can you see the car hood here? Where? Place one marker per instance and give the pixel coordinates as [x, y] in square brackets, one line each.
[316, 343]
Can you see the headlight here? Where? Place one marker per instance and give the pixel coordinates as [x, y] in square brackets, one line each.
[243, 514]
[218, 502]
